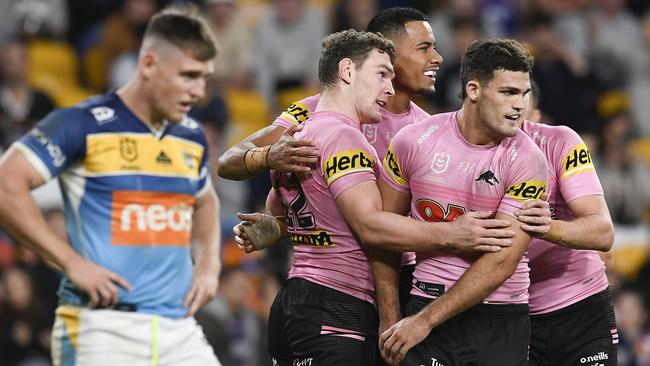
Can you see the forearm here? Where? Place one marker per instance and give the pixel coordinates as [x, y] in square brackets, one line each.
[482, 278]
[393, 232]
[592, 232]
[385, 267]
[206, 235]
[22, 219]
[231, 163]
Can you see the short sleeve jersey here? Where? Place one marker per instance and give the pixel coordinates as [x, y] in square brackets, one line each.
[378, 135]
[128, 196]
[325, 249]
[447, 177]
[562, 276]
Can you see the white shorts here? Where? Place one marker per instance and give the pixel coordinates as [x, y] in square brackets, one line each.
[83, 336]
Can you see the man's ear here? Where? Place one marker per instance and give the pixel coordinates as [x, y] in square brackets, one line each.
[473, 90]
[346, 67]
[147, 64]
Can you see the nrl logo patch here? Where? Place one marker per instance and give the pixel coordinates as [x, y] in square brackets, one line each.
[440, 162]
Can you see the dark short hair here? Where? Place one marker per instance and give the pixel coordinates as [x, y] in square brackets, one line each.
[483, 57]
[184, 30]
[391, 22]
[353, 45]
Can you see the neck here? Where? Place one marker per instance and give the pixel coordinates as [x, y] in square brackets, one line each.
[399, 103]
[132, 96]
[472, 128]
[336, 101]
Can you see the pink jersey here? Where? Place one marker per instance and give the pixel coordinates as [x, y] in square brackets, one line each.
[379, 135]
[447, 176]
[325, 249]
[561, 276]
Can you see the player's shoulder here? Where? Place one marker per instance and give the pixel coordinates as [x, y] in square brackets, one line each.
[427, 128]
[521, 147]
[299, 111]
[417, 113]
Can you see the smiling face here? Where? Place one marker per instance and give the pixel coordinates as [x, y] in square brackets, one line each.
[176, 81]
[501, 102]
[417, 59]
[372, 86]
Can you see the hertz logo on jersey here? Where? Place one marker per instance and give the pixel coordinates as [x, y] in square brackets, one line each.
[297, 113]
[317, 238]
[576, 161]
[142, 218]
[527, 190]
[346, 162]
[392, 167]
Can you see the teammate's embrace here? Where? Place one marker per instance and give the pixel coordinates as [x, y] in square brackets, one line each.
[133, 173]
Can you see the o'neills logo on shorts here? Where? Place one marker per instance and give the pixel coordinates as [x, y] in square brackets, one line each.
[317, 238]
[527, 190]
[576, 161]
[151, 218]
[346, 162]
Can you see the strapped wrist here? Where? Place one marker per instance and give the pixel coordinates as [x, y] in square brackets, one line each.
[556, 233]
[256, 160]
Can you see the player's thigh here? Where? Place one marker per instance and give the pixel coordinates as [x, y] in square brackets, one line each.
[277, 343]
[539, 342]
[181, 342]
[589, 336]
[100, 337]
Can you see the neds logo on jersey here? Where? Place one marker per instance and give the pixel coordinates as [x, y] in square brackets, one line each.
[392, 167]
[297, 113]
[151, 218]
[524, 191]
[576, 161]
[346, 162]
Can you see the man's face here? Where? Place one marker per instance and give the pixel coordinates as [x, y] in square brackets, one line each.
[372, 86]
[417, 59]
[502, 101]
[177, 81]
[14, 63]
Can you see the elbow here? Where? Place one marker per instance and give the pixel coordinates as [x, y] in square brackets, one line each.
[224, 170]
[607, 239]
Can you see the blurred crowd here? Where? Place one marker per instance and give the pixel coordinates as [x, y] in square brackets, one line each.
[592, 70]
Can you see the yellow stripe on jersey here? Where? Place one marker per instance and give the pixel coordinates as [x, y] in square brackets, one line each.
[346, 162]
[297, 113]
[129, 153]
[524, 191]
[576, 161]
[391, 165]
[70, 316]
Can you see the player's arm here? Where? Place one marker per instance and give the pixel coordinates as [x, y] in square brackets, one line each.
[478, 282]
[257, 231]
[591, 228]
[206, 251]
[386, 264]
[272, 147]
[21, 218]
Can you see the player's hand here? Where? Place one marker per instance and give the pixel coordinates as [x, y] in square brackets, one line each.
[292, 155]
[477, 231]
[535, 217]
[401, 337]
[256, 231]
[203, 290]
[97, 282]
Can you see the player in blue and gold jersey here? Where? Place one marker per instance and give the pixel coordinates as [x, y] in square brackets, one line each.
[141, 213]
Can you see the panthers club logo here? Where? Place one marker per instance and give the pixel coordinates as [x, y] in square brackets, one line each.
[487, 177]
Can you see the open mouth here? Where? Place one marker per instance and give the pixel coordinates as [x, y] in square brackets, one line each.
[380, 103]
[430, 74]
[514, 117]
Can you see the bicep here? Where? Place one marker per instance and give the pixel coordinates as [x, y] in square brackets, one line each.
[16, 169]
[589, 206]
[268, 135]
[393, 200]
[358, 202]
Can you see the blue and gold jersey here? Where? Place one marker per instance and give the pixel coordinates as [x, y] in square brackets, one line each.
[129, 194]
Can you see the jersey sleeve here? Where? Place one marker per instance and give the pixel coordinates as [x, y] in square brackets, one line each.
[526, 178]
[396, 163]
[56, 142]
[574, 169]
[297, 112]
[347, 161]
